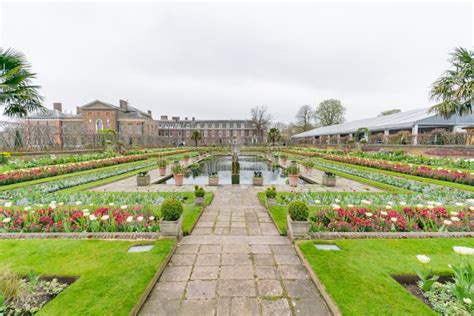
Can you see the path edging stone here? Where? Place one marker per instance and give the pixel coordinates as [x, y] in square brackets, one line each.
[389, 235]
[88, 235]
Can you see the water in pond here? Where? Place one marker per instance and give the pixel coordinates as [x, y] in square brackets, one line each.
[223, 166]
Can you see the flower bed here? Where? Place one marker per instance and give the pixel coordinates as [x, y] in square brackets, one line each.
[54, 219]
[438, 173]
[21, 175]
[25, 194]
[409, 219]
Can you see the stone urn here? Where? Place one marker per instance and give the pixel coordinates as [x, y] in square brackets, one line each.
[143, 180]
[162, 171]
[293, 180]
[297, 228]
[213, 181]
[329, 180]
[178, 179]
[172, 228]
[258, 181]
[199, 201]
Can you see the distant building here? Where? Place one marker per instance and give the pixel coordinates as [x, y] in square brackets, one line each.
[57, 129]
[410, 127]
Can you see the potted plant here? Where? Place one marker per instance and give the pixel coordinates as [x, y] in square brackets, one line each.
[329, 179]
[162, 165]
[171, 219]
[199, 194]
[283, 159]
[297, 219]
[178, 174]
[257, 178]
[186, 159]
[271, 194]
[308, 165]
[143, 179]
[293, 172]
[213, 179]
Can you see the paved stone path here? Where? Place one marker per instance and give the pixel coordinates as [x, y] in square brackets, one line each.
[235, 263]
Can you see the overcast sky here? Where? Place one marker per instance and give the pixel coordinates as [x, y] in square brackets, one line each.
[218, 60]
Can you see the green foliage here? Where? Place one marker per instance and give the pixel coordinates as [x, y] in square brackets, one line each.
[162, 163]
[454, 89]
[284, 157]
[427, 279]
[4, 156]
[18, 95]
[463, 281]
[390, 112]
[308, 163]
[274, 135]
[10, 284]
[196, 137]
[171, 209]
[177, 168]
[298, 211]
[330, 112]
[199, 191]
[292, 170]
[271, 192]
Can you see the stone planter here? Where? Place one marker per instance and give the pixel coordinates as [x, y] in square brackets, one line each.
[143, 181]
[271, 201]
[199, 201]
[297, 228]
[178, 179]
[163, 171]
[258, 181]
[329, 181]
[213, 181]
[235, 178]
[172, 228]
[293, 180]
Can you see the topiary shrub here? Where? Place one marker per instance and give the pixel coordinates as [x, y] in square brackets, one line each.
[171, 209]
[199, 191]
[271, 192]
[298, 211]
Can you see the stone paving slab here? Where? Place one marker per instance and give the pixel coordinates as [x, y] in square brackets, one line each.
[243, 274]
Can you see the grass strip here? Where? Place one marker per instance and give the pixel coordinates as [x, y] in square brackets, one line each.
[111, 280]
[359, 276]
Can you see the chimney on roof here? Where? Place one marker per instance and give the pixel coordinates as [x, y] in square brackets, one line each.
[164, 117]
[78, 110]
[175, 118]
[124, 105]
[193, 118]
[149, 112]
[58, 106]
[185, 118]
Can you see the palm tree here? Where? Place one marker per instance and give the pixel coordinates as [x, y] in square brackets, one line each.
[274, 135]
[17, 95]
[454, 90]
[196, 137]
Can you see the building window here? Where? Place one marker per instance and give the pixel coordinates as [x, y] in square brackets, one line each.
[99, 125]
[205, 133]
[227, 125]
[235, 125]
[242, 125]
[107, 123]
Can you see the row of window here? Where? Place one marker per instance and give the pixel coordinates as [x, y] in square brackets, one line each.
[205, 134]
[204, 125]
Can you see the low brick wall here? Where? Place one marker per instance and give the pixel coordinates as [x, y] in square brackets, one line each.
[118, 235]
[388, 235]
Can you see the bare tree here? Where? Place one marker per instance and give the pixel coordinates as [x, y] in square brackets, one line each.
[304, 117]
[261, 119]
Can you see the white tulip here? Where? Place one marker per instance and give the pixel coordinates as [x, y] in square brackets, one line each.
[383, 213]
[337, 200]
[151, 218]
[454, 213]
[92, 217]
[140, 219]
[368, 214]
[463, 250]
[467, 300]
[455, 219]
[7, 220]
[123, 207]
[317, 201]
[27, 208]
[8, 204]
[393, 219]
[388, 207]
[403, 203]
[419, 205]
[447, 222]
[111, 204]
[423, 259]
[129, 219]
[459, 204]
[439, 204]
[104, 217]
[350, 205]
[78, 203]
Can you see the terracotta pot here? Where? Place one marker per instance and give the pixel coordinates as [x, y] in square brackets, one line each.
[293, 180]
[163, 171]
[178, 179]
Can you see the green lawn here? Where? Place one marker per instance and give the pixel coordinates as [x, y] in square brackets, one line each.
[358, 277]
[110, 282]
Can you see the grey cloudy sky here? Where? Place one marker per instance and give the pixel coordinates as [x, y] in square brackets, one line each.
[218, 60]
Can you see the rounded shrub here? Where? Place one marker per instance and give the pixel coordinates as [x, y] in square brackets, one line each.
[298, 211]
[271, 192]
[199, 191]
[171, 209]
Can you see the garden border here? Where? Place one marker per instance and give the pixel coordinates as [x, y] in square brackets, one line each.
[320, 286]
[388, 235]
[151, 285]
[86, 235]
